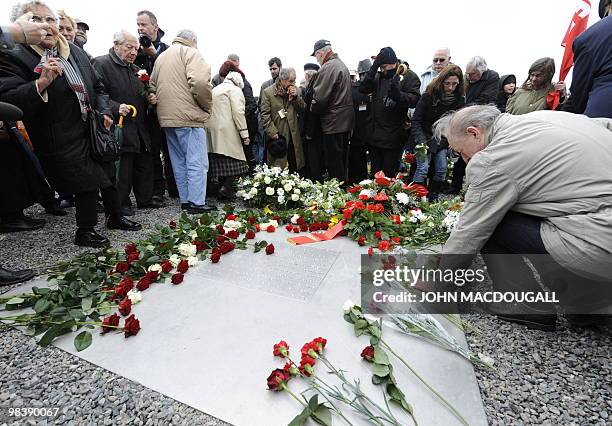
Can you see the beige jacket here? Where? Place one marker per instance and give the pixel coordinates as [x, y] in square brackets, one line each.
[549, 164]
[227, 125]
[181, 80]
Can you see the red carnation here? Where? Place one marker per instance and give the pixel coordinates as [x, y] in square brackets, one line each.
[347, 213]
[270, 228]
[122, 267]
[130, 248]
[277, 379]
[384, 245]
[270, 249]
[354, 189]
[361, 241]
[233, 234]
[125, 306]
[364, 197]
[381, 197]
[418, 190]
[166, 266]
[396, 240]
[281, 349]
[230, 216]
[143, 283]
[131, 327]
[183, 266]
[109, 323]
[377, 235]
[172, 224]
[250, 235]
[310, 349]
[290, 368]
[320, 343]
[177, 278]
[257, 227]
[215, 257]
[368, 353]
[381, 179]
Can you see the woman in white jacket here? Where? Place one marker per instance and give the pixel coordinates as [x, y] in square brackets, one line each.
[227, 132]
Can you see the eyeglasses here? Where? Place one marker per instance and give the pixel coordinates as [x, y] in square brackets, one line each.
[451, 83]
[440, 60]
[40, 19]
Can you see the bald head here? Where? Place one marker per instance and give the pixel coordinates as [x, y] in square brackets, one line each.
[441, 59]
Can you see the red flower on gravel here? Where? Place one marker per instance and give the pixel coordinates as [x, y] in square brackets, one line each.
[122, 267]
[131, 327]
[233, 234]
[226, 247]
[361, 241]
[177, 278]
[384, 245]
[109, 323]
[368, 353]
[230, 216]
[281, 349]
[215, 257]
[270, 228]
[125, 306]
[172, 224]
[377, 235]
[200, 245]
[270, 249]
[166, 266]
[130, 248]
[183, 266]
[250, 235]
[277, 379]
[143, 283]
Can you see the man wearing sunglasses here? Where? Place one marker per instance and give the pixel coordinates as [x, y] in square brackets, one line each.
[441, 58]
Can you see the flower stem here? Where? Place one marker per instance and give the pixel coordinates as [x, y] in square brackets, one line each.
[431, 389]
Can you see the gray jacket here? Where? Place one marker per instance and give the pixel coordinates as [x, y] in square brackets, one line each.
[524, 168]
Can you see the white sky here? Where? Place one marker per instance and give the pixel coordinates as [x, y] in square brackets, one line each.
[509, 34]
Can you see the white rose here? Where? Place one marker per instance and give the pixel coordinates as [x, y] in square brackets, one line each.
[267, 180]
[365, 182]
[192, 260]
[253, 192]
[297, 191]
[269, 191]
[288, 187]
[281, 199]
[295, 218]
[187, 249]
[273, 223]
[156, 267]
[280, 191]
[193, 235]
[174, 259]
[256, 184]
[241, 194]
[231, 224]
[348, 305]
[135, 296]
[295, 197]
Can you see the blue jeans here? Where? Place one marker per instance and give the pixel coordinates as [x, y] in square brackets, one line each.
[189, 158]
[440, 166]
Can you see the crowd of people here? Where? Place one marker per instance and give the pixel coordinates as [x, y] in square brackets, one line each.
[150, 119]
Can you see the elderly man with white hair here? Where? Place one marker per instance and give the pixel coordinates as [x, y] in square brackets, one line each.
[120, 78]
[524, 198]
[181, 82]
[441, 58]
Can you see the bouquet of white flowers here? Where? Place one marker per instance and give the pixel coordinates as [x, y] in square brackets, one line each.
[273, 186]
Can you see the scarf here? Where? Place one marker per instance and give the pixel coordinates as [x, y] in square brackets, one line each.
[448, 99]
[61, 52]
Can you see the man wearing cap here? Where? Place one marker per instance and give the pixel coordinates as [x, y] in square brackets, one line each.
[310, 127]
[80, 39]
[358, 159]
[393, 91]
[333, 102]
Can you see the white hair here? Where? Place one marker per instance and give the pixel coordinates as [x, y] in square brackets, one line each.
[120, 36]
[480, 116]
[24, 7]
[446, 50]
[235, 78]
[286, 73]
[440, 127]
[188, 35]
[233, 57]
[325, 49]
[479, 63]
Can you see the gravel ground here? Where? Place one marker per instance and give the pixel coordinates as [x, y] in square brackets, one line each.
[564, 377]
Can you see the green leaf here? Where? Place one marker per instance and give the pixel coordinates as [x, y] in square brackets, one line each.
[313, 403]
[52, 333]
[85, 274]
[381, 370]
[374, 341]
[82, 340]
[323, 415]
[86, 303]
[301, 418]
[374, 330]
[42, 305]
[41, 291]
[378, 380]
[380, 357]
[397, 396]
[15, 301]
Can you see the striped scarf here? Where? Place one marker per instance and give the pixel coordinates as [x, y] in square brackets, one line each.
[72, 76]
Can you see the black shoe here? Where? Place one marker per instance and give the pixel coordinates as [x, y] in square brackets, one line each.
[13, 277]
[54, 209]
[537, 322]
[153, 204]
[21, 225]
[158, 198]
[587, 321]
[185, 206]
[90, 238]
[196, 209]
[127, 211]
[225, 194]
[66, 204]
[120, 222]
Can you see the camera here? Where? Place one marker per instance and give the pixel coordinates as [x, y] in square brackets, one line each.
[145, 41]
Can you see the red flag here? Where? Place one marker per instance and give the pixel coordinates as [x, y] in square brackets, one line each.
[577, 25]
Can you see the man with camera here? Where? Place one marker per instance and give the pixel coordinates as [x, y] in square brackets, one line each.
[151, 47]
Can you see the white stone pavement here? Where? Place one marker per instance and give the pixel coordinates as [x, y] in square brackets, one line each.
[208, 341]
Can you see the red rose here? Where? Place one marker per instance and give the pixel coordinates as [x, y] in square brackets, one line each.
[125, 306]
[301, 221]
[226, 247]
[177, 278]
[183, 266]
[270, 249]
[127, 282]
[221, 238]
[270, 228]
[277, 379]
[289, 228]
[377, 235]
[109, 323]
[383, 245]
[122, 267]
[133, 257]
[368, 353]
[200, 245]
[370, 251]
[230, 216]
[251, 220]
[130, 248]
[354, 189]
[144, 77]
[216, 250]
[166, 266]
[320, 342]
[143, 284]
[152, 276]
[131, 327]
[250, 235]
[220, 229]
[303, 228]
[233, 234]
[410, 158]
[257, 227]
[120, 291]
[396, 219]
[361, 241]
[281, 349]
[296, 230]
[314, 227]
[215, 257]
[277, 218]
[172, 224]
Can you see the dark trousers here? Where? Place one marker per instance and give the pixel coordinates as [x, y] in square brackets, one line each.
[86, 204]
[335, 151]
[135, 172]
[458, 174]
[159, 146]
[387, 160]
[519, 235]
[357, 162]
[313, 154]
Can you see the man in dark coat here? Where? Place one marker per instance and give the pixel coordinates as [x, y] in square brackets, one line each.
[358, 158]
[310, 127]
[591, 88]
[151, 47]
[394, 90]
[120, 77]
[333, 102]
